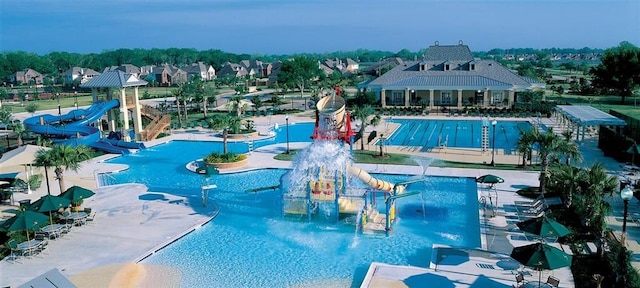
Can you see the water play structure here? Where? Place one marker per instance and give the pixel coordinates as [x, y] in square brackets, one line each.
[324, 184]
[75, 128]
[83, 126]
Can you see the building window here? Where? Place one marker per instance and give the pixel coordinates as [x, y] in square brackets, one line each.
[473, 67]
[445, 97]
[497, 97]
[446, 67]
[397, 97]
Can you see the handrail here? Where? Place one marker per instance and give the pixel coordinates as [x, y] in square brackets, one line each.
[155, 127]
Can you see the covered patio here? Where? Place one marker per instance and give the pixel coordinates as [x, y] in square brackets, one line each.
[583, 116]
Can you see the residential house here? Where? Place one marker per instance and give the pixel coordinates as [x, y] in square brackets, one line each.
[234, 70]
[205, 71]
[26, 76]
[343, 65]
[126, 68]
[164, 75]
[78, 75]
[257, 68]
[449, 76]
[386, 64]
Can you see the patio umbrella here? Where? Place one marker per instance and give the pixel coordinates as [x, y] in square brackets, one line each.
[541, 256]
[489, 179]
[77, 193]
[49, 203]
[543, 226]
[24, 220]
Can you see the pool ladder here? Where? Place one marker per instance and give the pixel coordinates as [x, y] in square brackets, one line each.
[485, 138]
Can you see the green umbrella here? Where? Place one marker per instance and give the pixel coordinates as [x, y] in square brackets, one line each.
[541, 256]
[543, 226]
[49, 203]
[24, 220]
[77, 193]
[489, 179]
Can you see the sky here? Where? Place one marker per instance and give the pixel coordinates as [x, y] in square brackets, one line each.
[314, 26]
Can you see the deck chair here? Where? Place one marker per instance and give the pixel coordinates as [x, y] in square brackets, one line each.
[90, 218]
[553, 281]
[15, 252]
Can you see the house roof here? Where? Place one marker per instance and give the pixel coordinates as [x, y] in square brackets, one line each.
[448, 52]
[486, 74]
[589, 116]
[113, 79]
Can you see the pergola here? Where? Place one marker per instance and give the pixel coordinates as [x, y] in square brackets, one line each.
[583, 116]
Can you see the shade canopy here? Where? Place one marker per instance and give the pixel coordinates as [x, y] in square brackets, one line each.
[25, 220]
[489, 179]
[541, 256]
[49, 203]
[77, 193]
[543, 226]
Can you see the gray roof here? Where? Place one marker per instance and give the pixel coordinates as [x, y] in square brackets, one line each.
[52, 278]
[113, 79]
[588, 116]
[449, 81]
[487, 74]
[450, 52]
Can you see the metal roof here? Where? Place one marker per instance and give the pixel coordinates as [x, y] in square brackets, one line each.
[113, 79]
[589, 116]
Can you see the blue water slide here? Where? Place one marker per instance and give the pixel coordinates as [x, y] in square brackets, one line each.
[73, 128]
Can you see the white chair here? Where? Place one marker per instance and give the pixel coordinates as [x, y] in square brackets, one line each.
[553, 281]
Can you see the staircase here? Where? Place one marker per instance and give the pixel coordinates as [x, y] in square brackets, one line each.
[159, 122]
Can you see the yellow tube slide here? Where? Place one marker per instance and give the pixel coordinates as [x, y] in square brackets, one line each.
[373, 182]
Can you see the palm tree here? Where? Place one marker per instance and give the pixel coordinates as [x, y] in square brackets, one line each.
[565, 179]
[177, 93]
[367, 116]
[549, 144]
[225, 122]
[236, 105]
[590, 202]
[18, 128]
[62, 157]
[524, 146]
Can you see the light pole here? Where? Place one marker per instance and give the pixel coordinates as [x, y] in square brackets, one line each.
[286, 119]
[58, 98]
[493, 144]
[626, 194]
[75, 99]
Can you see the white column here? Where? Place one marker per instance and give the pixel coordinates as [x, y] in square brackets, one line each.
[137, 116]
[407, 95]
[383, 100]
[124, 115]
[430, 99]
[459, 98]
[485, 98]
[512, 97]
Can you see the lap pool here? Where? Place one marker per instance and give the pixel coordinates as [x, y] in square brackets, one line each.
[433, 133]
[249, 244]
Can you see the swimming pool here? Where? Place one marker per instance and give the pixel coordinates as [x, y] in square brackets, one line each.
[249, 244]
[454, 133]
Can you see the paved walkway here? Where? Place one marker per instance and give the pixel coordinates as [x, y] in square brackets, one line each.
[133, 222]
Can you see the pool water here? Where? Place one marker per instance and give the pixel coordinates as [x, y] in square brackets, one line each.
[249, 243]
[455, 133]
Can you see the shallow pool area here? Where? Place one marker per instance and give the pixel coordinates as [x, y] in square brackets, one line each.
[250, 244]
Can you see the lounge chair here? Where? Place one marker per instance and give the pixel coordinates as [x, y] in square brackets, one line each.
[520, 280]
[553, 281]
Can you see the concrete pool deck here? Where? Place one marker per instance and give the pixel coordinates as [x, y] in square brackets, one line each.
[132, 222]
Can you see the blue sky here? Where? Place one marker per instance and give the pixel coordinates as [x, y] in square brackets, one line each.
[300, 26]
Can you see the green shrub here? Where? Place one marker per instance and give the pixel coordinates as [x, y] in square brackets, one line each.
[229, 157]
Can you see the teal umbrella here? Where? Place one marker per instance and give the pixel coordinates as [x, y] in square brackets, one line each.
[49, 203]
[541, 256]
[77, 194]
[543, 226]
[489, 179]
[24, 220]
